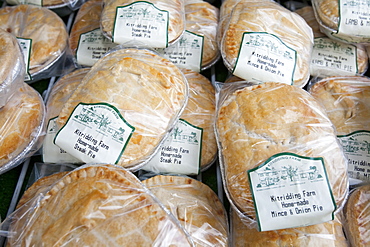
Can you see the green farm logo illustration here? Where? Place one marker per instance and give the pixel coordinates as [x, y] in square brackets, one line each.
[178, 136]
[90, 116]
[142, 12]
[352, 145]
[270, 176]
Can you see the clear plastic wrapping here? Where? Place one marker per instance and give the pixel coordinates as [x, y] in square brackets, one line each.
[153, 24]
[347, 103]
[191, 146]
[87, 42]
[21, 127]
[123, 109]
[43, 37]
[343, 21]
[264, 41]
[357, 213]
[94, 205]
[195, 205]
[59, 95]
[12, 66]
[331, 57]
[262, 131]
[202, 19]
[328, 234]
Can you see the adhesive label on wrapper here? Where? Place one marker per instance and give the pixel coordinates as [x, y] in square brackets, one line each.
[291, 191]
[180, 152]
[330, 55]
[26, 45]
[51, 153]
[264, 57]
[141, 21]
[356, 147]
[95, 133]
[354, 21]
[92, 46]
[187, 52]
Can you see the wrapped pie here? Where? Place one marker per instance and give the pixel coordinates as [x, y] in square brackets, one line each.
[12, 66]
[96, 205]
[343, 21]
[328, 234]
[59, 95]
[195, 205]
[21, 125]
[279, 154]
[331, 57]
[191, 145]
[87, 42]
[347, 104]
[153, 24]
[123, 108]
[41, 33]
[357, 213]
[263, 41]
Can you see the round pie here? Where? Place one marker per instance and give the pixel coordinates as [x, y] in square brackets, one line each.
[45, 29]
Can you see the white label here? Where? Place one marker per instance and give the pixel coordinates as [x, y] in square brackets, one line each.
[291, 191]
[143, 22]
[180, 152]
[354, 21]
[187, 52]
[330, 57]
[92, 46]
[95, 133]
[51, 152]
[26, 45]
[356, 147]
[264, 57]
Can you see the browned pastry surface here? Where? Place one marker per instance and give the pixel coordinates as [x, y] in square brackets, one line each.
[44, 27]
[195, 205]
[346, 101]
[202, 19]
[175, 8]
[327, 12]
[257, 122]
[328, 234]
[200, 111]
[272, 18]
[357, 214]
[148, 90]
[87, 19]
[97, 205]
[20, 119]
[9, 55]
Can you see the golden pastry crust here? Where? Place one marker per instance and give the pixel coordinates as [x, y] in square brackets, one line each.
[175, 8]
[200, 111]
[346, 101]
[45, 28]
[20, 122]
[272, 18]
[195, 205]
[327, 12]
[62, 90]
[357, 213]
[328, 234]
[202, 19]
[97, 206]
[148, 90]
[362, 59]
[257, 122]
[87, 19]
